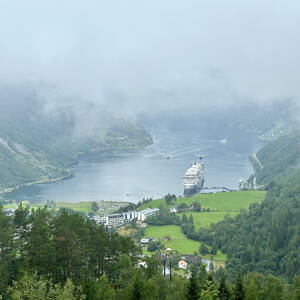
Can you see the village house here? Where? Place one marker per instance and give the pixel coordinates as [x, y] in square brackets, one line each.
[166, 272]
[182, 265]
[174, 209]
[142, 264]
[146, 241]
[192, 259]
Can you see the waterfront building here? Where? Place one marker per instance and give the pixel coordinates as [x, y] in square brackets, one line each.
[148, 212]
[112, 220]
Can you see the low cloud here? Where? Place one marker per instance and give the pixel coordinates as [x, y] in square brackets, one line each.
[134, 57]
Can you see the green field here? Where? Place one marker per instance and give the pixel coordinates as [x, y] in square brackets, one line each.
[24, 203]
[183, 245]
[177, 240]
[228, 201]
[85, 207]
[162, 231]
[220, 205]
[205, 219]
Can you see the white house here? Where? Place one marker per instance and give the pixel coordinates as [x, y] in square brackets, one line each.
[182, 265]
[174, 209]
[142, 264]
[167, 271]
[145, 241]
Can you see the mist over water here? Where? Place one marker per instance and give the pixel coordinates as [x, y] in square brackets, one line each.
[131, 176]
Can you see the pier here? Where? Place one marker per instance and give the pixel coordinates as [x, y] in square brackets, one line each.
[217, 189]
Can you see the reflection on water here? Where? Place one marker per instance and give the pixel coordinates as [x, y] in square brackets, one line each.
[154, 171]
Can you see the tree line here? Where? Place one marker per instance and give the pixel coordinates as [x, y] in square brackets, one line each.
[265, 238]
[47, 254]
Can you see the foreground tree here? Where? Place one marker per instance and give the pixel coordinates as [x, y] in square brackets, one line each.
[210, 291]
[296, 288]
[192, 287]
[39, 248]
[33, 287]
[223, 288]
[21, 224]
[238, 288]
[7, 252]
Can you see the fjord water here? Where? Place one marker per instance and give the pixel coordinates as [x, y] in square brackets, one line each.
[156, 170]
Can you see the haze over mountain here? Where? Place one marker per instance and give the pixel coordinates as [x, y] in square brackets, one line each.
[150, 56]
[39, 143]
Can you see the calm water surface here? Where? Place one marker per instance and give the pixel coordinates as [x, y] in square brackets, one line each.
[148, 173]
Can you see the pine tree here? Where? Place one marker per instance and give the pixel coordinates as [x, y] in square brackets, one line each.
[39, 248]
[191, 219]
[296, 288]
[21, 224]
[202, 277]
[192, 288]
[137, 292]
[251, 292]
[238, 288]
[210, 291]
[223, 288]
[72, 246]
[211, 264]
[7, 251]
[203, 249]
[184, 219]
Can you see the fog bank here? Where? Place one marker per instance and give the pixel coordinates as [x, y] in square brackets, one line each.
[151, 56]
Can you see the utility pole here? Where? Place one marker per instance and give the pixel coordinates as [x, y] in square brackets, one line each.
[164, 264]
[170, 269]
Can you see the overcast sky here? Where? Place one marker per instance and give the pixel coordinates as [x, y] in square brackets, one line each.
[149, 55]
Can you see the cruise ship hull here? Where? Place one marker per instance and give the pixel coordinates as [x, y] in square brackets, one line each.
[190, 191]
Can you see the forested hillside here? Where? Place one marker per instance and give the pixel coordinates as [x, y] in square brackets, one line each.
[38, 145]
[278, 159]
[46, 254]
[266, 238]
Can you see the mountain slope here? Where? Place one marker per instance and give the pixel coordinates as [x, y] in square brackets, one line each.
[277, 160]
[266, 238]
[36, 145]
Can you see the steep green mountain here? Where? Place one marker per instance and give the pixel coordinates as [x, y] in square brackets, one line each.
[38, 145]
[277, 160]
[265, 238]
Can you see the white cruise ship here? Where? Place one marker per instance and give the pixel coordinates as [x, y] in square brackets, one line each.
[193, 180]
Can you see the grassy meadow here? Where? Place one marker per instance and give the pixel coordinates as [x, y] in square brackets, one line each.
[227, 201]
[205, 219]
[85, 207]
[220, 205]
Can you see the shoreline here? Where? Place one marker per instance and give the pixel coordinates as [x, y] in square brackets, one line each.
[77, 157]
[41, 181]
